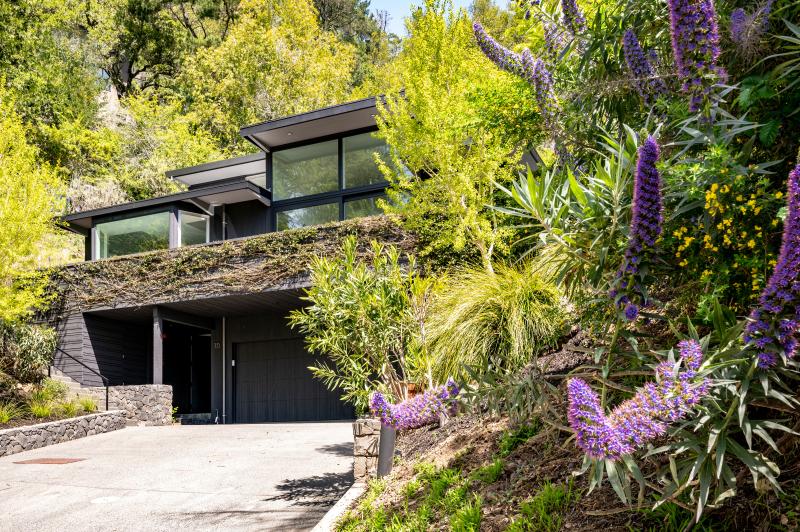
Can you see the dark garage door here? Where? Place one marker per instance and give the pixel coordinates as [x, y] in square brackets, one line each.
[273, 383]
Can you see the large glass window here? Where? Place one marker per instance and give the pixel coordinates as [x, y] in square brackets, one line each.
[194, 228]
[132, 235]
[305, 170]
[359, 160]
[361, 207]
[314, 215]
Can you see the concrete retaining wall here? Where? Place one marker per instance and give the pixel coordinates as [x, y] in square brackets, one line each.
[367, 435]
[18, 439]
[144, 404]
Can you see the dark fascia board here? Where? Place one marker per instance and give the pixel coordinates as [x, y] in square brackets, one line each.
[216, 165]
[317, 114]
[72, 219]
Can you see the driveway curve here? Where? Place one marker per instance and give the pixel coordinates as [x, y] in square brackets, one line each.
[215, 477]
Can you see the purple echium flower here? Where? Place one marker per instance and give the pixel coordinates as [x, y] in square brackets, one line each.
[645, 229]
[496, 52]
[642, 418]
[773, 326]
[573, 18]
[695, 43]
[748, 29]
[419, 411]
[650, 86]
[554, 39]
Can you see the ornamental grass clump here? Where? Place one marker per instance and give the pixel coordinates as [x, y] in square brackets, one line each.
[649, 86]
[695, 44]
[628, 288]
[425, 409]
[642, 418]
[773, 326]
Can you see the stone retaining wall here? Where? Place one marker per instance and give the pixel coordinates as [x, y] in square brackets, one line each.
[18, 439]
[143, 404]
[367, 435]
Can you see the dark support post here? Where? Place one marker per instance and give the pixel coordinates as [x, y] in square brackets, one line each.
[386, 450]
[158, 347]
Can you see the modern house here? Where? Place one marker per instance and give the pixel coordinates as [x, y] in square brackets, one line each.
[193, 289]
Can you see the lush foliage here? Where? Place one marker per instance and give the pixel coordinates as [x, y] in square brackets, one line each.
[365, 318]
[500, 318]
[27, 207]
[26, 351]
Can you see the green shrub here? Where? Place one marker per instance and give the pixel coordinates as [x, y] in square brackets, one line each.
[40, 409]
[545, 511]
[512, 439]
[9, 411]
[502, 318]
[69, 408]
[26, 350]
[468, 517]
[49, 391]
[87, 404]
[489, 474]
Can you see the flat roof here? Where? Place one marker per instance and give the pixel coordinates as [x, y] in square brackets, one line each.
[323, 122]
[202, 174]
[201, 197]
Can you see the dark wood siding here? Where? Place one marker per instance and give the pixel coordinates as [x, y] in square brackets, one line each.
[273, 383]
[247, 218]
[118, 350]
[71, 332]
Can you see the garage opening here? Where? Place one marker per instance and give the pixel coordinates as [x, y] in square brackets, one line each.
[272, 383]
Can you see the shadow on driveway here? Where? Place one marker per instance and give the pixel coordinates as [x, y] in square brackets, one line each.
[319, 490]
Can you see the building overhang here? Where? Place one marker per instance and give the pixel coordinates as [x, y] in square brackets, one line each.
[330, 121]
[203, 198]
[204, 174]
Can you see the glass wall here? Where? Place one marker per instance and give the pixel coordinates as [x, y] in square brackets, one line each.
[194, 228]
[305, 170]
[132, 235]
[303, 216]
[357, 208]
[359, 160]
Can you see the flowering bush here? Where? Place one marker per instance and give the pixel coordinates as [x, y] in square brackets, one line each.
[628, 289]
[773, 326]
[418, 411]
[642, 418]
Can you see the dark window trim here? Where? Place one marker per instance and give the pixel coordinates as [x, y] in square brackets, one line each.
[340, 196]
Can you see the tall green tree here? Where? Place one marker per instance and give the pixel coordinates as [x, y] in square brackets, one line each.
[28, 203]
[275, 61]
[455, 130]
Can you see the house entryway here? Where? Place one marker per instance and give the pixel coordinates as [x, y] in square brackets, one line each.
[187, 368]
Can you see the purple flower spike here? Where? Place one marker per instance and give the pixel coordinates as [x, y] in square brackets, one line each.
[419, 411]
[498, 54]
[573, 18]
[554, 39]
[695, 43]
[747, 30]
[645, 229]
[642, 418]
[773, 326]
[650, 86]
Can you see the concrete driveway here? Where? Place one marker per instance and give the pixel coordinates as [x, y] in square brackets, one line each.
[216, 477]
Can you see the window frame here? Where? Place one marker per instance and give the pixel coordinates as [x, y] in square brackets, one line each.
[339, 196]
[179, 227]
